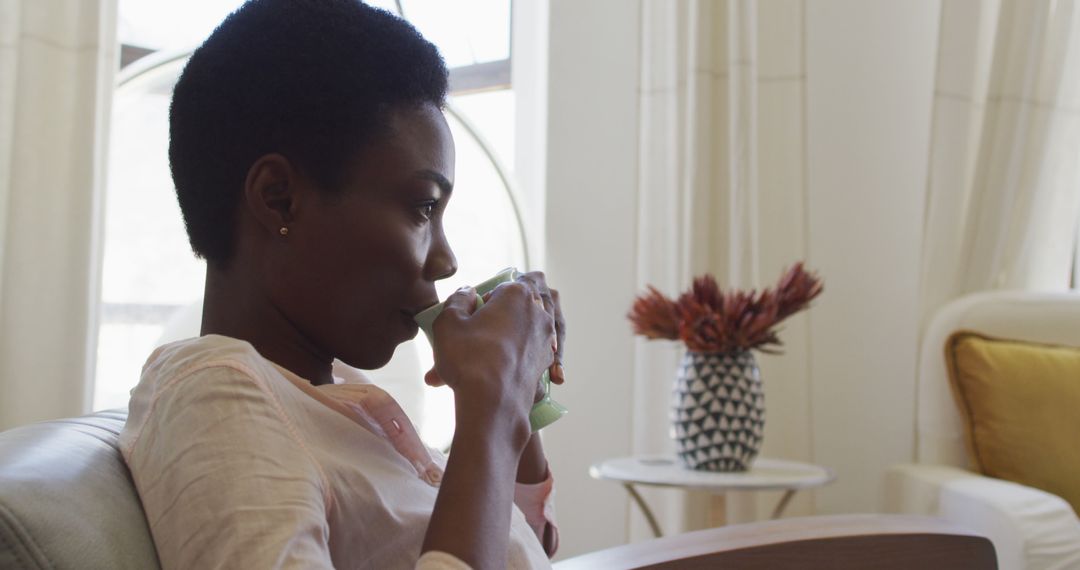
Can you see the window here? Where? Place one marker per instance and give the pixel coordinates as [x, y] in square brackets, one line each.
[152, 284]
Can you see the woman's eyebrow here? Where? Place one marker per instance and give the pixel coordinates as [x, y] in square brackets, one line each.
[445, 185]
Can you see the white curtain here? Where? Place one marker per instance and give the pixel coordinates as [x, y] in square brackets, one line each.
[723, 177]
[1003, 199]
[1076, 261]
[57, 65]
[721, 161]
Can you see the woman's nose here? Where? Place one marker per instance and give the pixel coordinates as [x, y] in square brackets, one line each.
[441, 262]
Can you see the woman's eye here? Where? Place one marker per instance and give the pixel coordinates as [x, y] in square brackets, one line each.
[427, 210]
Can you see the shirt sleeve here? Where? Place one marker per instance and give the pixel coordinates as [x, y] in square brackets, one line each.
[225, 480]
[537, 503]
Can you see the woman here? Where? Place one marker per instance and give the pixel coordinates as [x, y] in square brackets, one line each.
[313, 165]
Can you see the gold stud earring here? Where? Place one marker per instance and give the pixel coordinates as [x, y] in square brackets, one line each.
[284, 231]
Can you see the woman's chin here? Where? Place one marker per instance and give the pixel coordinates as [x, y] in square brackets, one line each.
[370, 360]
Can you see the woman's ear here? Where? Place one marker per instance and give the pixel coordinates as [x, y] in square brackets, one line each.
[271, 192]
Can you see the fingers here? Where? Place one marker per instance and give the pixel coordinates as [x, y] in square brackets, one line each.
[528, 289]
[547, 296]
[461, 304]
[553, 307]
[492, 357]
[517, 291]
[456, 309]
[527, 292]
[539, 284]
[560, 324]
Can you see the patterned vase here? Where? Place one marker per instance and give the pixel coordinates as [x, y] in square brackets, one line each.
[718, 411]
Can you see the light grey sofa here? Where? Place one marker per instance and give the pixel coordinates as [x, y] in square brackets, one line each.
[67, 500]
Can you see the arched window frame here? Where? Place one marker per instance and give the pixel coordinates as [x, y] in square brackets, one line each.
[465, 80]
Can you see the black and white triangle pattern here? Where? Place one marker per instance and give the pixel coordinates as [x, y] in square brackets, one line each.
[718, 411]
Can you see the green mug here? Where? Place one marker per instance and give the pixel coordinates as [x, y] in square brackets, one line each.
[543, 413]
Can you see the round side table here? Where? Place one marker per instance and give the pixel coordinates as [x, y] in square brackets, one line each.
[666, 471]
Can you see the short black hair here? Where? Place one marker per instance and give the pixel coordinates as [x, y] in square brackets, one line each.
[313, 80]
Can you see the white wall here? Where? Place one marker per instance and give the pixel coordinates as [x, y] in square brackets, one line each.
[870, 68]
[529, 73]
[590, 242]
[844, 119]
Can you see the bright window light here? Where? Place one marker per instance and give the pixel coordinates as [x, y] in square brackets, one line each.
[152, 284]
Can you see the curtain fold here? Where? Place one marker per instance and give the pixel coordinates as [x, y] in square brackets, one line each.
[722, 175]
[1003, 199]
[721, 161]
[58, 60]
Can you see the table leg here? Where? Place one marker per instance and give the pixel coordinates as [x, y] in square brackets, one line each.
[644, 509]
[779, 510]
[717, 510]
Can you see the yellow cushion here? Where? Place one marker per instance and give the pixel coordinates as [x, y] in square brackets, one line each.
[1021, 407]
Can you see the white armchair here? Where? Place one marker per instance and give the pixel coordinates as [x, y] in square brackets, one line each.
[1031, 529]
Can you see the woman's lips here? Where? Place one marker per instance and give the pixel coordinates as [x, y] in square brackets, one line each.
[413, 312]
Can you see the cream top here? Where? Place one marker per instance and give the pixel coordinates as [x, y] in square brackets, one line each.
[241, 464]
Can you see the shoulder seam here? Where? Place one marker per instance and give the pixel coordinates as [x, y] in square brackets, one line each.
[252, 377]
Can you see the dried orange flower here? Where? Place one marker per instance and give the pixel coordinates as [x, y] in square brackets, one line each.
[655, 316]
[708, 319]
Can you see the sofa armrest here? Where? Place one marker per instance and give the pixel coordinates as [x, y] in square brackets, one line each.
[1030, 528]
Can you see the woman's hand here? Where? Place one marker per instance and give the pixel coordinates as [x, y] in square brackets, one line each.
[550, 299]
[493, 357]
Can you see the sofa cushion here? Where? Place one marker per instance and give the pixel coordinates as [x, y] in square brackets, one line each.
[67, 500]
[1021, 408]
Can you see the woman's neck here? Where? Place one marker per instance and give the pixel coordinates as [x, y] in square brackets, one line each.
[236, 307]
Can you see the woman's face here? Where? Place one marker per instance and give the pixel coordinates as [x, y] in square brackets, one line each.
[359, 263]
